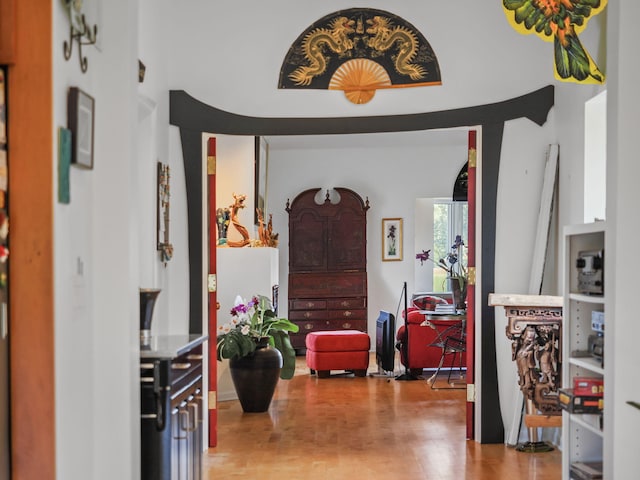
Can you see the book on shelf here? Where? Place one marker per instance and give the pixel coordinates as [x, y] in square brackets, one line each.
[586, 470]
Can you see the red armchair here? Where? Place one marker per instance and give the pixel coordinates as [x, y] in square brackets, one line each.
[421, 355]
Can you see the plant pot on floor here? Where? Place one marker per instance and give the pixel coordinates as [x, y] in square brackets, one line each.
[255, 376]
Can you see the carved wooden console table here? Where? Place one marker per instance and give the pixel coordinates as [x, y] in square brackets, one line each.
[534, 326]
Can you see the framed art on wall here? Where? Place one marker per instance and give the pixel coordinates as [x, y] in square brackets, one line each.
[391, 239]
[80, 120]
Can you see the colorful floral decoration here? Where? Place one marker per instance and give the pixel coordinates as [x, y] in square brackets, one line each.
[251, 321]
[560, 22]
[452, 263]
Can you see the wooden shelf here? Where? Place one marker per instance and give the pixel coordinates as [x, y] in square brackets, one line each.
[585, 422]
[581, 297]
[590, 363]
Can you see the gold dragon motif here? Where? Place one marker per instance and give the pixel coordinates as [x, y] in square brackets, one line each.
[314, 44]
[385, 35]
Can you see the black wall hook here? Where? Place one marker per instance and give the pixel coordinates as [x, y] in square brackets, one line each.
[84, 35]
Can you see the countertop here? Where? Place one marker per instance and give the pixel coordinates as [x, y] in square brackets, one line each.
[171, 346]
[521, 300]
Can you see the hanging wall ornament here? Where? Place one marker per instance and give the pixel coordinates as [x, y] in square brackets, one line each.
[164, 195]
[560, 22]
[359, 51]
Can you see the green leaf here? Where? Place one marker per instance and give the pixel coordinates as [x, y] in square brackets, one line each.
[282, 342]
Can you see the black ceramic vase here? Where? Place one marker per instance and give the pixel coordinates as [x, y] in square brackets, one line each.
[148, 298]
[459, 294]
[255, 376]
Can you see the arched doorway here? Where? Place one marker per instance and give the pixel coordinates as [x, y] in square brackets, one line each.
[194, 117]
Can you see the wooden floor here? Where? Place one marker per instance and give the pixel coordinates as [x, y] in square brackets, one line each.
[352, 428]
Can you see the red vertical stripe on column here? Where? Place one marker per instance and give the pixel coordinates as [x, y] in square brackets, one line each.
[213, 296]
[471, 289]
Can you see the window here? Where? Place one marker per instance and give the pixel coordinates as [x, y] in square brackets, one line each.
[449, 219]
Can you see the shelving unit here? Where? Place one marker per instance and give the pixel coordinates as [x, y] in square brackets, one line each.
[582, 434]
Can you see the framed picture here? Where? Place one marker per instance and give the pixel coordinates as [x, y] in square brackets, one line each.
[64, 162]
[80, 120]
[261, 162]
[391, 239]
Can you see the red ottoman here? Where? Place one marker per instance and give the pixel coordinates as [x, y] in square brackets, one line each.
[338, 350]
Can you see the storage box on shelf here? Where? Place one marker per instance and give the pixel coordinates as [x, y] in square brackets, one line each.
[583, 346]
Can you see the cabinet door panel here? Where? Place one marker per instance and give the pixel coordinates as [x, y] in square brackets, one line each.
[347, 249]
[307, 243]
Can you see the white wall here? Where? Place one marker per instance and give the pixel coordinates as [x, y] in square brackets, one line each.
[235, 175]
[105, 240]
[423, 240]
[623, 169]
[595, 157]
[478, 52]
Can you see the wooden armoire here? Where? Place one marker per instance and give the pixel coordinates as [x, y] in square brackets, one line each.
[327, 263]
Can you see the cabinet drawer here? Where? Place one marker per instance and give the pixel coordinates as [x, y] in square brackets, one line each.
[307, 326]
[310, 315]
[341, 303]
[347, 314]
[347, 324]
[298, 339]
[334, 324]
[307, 304]
[186, 365]
[335, 284]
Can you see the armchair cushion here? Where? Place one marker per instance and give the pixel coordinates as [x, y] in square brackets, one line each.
[421, 355]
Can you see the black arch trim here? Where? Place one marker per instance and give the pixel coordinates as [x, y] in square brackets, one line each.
[194, 117]
[189, 113]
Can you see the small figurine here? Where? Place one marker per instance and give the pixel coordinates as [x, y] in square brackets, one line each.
[237, 205]
[222, 219]
[266, 236]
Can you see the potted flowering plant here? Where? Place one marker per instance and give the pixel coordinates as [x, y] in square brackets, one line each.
[252, 322]
[457, 273]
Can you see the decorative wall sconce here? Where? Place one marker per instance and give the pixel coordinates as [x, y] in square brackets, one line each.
[164, 195]
[79, 31]
[141, 69]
